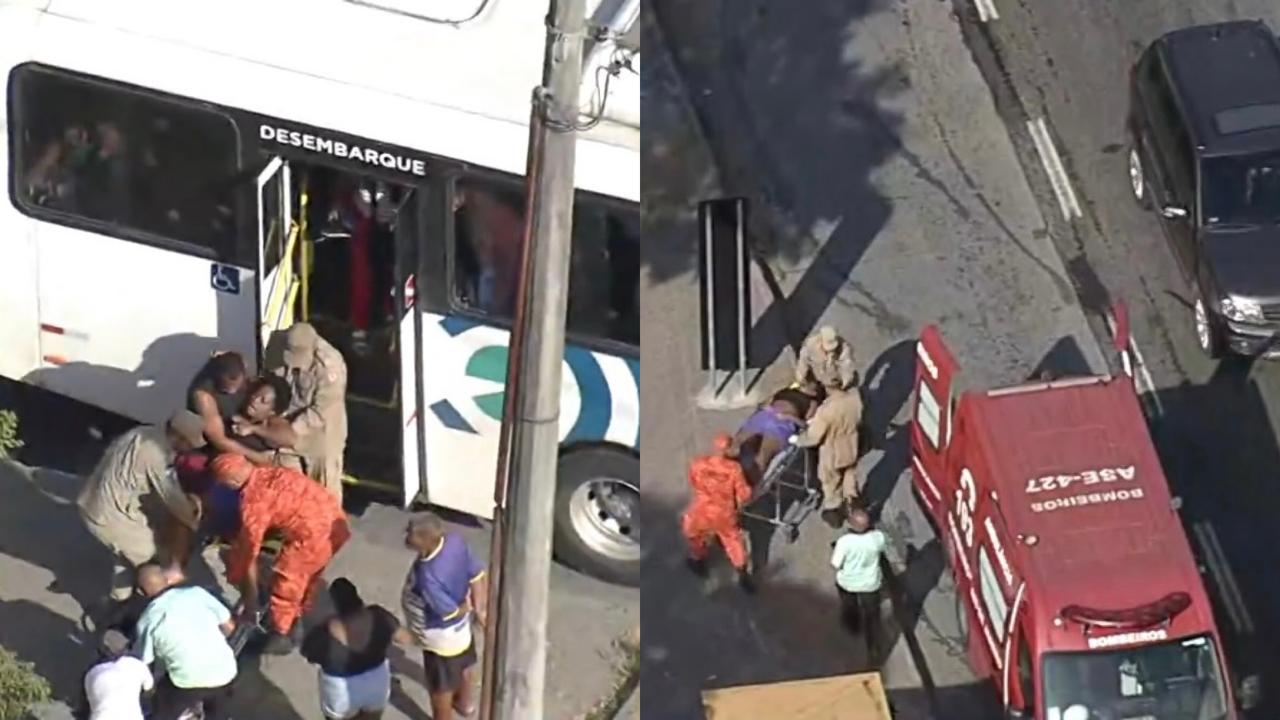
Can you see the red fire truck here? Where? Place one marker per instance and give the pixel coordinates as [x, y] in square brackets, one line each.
[1081, 597]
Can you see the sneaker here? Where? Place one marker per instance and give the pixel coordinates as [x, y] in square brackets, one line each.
[697, 566]
[746, 582]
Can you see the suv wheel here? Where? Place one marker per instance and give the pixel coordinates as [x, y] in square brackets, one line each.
[1138, 178]
[1207, 334]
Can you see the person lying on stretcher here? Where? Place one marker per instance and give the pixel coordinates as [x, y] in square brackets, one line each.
[765, 433]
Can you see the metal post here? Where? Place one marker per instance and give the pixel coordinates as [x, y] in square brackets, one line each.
[515, 675]
[740, 249]
[710, 329]
[304, 249]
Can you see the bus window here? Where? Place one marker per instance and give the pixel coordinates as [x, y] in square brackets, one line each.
[604, 280]
[604, 274]
[123, 162]
[488, 227]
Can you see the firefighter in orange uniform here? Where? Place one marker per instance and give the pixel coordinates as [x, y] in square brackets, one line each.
[719, 489]
[313, 527]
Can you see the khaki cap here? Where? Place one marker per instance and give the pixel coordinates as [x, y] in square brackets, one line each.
[829, 338]
[189, 426]
[300, 343]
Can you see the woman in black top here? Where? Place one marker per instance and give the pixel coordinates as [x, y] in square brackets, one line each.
[351, 650]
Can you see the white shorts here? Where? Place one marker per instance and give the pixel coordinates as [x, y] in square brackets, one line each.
[345, 697]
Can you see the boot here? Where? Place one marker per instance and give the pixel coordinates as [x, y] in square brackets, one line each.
[833, 517]
[746, 582]
[278, 644]
[698, 566]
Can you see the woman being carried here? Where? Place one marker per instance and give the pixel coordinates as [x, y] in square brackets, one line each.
[260, 426]
[765, 433]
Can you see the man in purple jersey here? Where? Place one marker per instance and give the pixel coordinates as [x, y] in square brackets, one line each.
[446, 588]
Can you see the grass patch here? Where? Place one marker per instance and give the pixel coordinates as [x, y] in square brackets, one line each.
[9, 441]
[626, 678]
[20, 687]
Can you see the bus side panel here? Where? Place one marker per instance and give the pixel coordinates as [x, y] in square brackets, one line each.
[19, 313]
[125, 326]
[463, 375]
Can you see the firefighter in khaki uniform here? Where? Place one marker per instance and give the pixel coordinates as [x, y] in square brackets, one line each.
[719, 489]
[317, 377]
[824, 360]
[834, 430]
[132, 502]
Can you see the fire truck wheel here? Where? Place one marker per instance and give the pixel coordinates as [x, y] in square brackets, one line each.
[597, 514]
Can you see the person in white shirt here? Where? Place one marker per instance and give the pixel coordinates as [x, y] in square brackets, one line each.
[856, 560]
[113, 687]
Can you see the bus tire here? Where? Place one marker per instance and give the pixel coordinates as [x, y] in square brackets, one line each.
[597, 514]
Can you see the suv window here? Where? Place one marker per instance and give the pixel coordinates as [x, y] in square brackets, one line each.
[1173, 142]
[94, 154]
[1242, 190]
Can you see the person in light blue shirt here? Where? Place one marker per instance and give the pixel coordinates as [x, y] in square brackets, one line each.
[856, 560]
[184, 632]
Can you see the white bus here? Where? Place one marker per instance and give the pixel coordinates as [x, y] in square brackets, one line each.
[191, 177]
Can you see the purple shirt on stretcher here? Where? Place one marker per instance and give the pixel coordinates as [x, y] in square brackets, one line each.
[768, 422]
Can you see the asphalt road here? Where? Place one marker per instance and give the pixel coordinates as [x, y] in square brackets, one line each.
[885, 195]
[1068, 61]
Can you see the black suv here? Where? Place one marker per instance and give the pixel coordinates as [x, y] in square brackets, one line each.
[1204, 124]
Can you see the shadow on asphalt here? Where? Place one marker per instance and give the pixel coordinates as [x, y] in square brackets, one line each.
[50, 642]
[702, 634]
[40, 525]
[797, 127]
[1217, 444]
[1064, 359]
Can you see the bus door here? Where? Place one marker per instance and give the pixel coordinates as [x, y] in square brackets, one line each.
[278, 244]
[931, 420]
[410, 219]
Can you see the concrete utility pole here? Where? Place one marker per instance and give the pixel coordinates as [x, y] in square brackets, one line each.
[516, 638]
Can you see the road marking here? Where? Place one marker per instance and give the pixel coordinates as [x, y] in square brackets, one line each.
[1052, 163]
[986, 10]
[1142, 381]
[1145, 374]
[1217, 562]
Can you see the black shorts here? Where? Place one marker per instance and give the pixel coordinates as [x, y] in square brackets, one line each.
[444, 674]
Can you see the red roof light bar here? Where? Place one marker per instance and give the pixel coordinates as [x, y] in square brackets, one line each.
[1144, 616]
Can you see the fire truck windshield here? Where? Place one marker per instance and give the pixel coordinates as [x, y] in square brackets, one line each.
[1175, 680]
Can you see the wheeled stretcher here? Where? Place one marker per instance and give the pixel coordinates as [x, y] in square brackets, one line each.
[788, 488]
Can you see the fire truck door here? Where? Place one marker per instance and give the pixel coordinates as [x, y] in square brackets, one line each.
[931, 419]
[1019, 678]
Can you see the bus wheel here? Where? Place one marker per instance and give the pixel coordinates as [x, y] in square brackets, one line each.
[597, 521]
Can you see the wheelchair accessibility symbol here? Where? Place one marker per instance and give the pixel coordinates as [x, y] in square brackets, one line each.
[224, 278]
